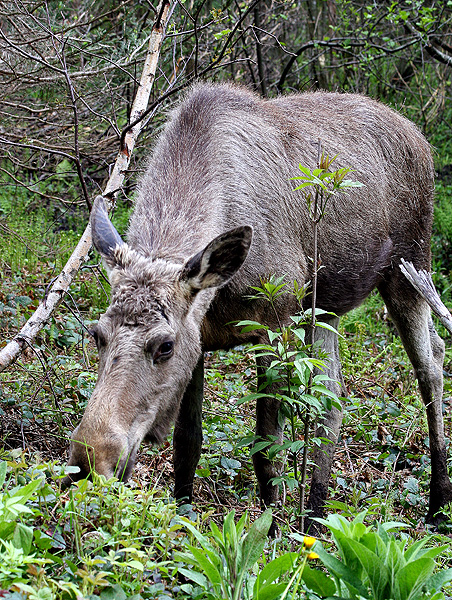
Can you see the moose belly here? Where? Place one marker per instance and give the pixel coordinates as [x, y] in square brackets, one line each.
[343, 285]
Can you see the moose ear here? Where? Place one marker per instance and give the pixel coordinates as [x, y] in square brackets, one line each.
[219, 261]
[105, 236]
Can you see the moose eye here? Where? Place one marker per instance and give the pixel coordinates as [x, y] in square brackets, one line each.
[166, 349]
[162, 352]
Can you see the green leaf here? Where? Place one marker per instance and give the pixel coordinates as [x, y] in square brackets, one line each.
[318, 582]
[375, 569]
[324, 325]
[273, 335]
[230, 464]
[255, 539]
[409, 581]
[206, 565]
[439, 579]
[203, 472]
[7, 529]
[341, 571]
[269, 592]
[250, 326]
[276, 568]
[198, 578]
[251, 398]
[23, 537]
[203, 540]
[259, 447]
[304, 170]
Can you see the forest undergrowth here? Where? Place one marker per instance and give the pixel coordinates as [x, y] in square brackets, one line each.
[110, 540]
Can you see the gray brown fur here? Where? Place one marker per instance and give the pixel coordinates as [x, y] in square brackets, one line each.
[224, 161]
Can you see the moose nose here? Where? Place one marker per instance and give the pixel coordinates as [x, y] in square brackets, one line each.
[111, 457]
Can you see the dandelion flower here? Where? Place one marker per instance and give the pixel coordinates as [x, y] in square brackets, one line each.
[308, 541]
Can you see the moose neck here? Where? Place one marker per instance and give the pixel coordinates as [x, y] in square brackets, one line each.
[179, 203]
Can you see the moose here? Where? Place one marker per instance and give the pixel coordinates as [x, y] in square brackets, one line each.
[216, 212]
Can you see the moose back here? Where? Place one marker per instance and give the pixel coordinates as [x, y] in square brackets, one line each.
[215, 213]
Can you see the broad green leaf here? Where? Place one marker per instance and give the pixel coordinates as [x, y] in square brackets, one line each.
[269, 592]
[276, 568]
[304, 170]
[25, 492]
[414, 551]
[439, 579]
[251, 398]
[338, 569]
[135, 564]
[259, 447]
[273, 335]
[374, 567]
[321, 389]
[198, 578]
[318, 582]
[418, 551]
[255, 539]
[247, 322]
[409, 581]
[23, 537]
[7, 529]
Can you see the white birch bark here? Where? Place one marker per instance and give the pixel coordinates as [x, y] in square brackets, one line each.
[422, 283]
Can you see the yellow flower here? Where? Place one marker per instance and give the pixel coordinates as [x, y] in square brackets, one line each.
[312, 556]
[308, 541]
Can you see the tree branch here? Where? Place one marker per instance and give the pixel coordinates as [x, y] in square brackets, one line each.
[423, 284]
[56, 293]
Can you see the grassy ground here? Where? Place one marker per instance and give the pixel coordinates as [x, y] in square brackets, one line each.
[109, 540]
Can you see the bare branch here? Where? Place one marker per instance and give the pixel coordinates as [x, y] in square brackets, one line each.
[422, 283]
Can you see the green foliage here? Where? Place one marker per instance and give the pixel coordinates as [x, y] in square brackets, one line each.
[442, 240]
[290, 378]
[104, 536]
[225, 560]
[323, 184]
[231, 564]
[374, 565]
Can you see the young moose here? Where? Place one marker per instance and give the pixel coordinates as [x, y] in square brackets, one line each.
[219, 176]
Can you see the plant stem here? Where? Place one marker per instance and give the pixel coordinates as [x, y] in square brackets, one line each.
[316, 217]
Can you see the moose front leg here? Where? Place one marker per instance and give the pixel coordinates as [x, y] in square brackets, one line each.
[269, 427]
[187, 439]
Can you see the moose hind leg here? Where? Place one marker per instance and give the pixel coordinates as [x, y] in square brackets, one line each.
[187, 439]
[425, 350]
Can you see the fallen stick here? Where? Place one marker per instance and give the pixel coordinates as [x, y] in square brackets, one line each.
[422, 283]
[54, 296]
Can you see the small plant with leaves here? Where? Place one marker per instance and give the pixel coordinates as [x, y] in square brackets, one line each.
[230, 563]
[296, 364]
[374, 565]
[298, 373]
